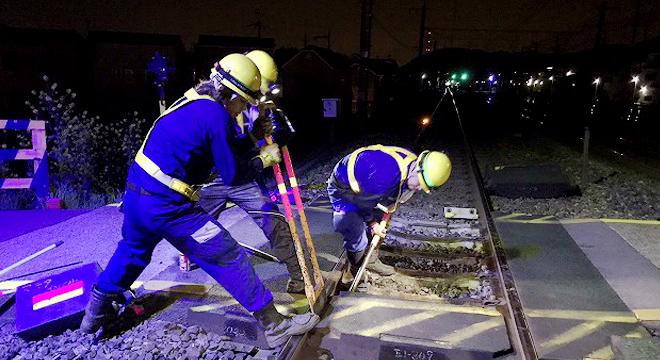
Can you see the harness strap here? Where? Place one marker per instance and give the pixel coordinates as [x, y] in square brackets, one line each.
[152, 168]
[403, 158]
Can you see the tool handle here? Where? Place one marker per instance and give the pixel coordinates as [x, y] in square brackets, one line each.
[30, 257]
[261, 254]
[300, 254]
[375, 243]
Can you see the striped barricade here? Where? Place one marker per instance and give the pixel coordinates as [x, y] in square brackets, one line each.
[37, 154]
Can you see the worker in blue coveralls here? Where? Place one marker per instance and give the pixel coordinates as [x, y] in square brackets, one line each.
[246, 138]
[185, 143]
[378, 175]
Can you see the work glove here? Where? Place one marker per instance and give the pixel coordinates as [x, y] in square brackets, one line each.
[270, 155]
[376, 229]
[282, 129]
[261, 127]
[266, 105]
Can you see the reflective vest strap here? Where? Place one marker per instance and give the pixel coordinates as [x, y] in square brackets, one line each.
[394, 151]
[151, 167]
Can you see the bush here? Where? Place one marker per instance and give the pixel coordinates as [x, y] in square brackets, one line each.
[88, 158]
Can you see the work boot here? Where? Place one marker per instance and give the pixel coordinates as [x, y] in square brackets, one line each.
[279, 328]
[377, 266]
[295, 286]
[354, 261]
[101, 310]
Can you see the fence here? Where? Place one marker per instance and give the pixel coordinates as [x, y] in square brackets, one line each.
[39, 181]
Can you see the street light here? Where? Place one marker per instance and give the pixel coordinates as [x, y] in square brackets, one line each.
[596, 82]
[569, 73]
[425, 121]
[635, 80]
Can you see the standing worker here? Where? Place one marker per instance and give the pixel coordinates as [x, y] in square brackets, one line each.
[246, 135]
[378, 175]
[183, 145]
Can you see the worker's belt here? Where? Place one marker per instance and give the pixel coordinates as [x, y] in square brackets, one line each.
[173, 183]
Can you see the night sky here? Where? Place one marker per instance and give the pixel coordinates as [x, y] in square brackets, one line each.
[549, 25]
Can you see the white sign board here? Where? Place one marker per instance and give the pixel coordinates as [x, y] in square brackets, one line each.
[330, 108]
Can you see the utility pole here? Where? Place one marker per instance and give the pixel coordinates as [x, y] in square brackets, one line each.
[327, 37]
[363, 75]
[635, 23]
[601, 23]
[258, 25]
[422, 29]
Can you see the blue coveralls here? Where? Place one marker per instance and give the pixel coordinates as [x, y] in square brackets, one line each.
[380, 181]
[251, 195]
[186, 144]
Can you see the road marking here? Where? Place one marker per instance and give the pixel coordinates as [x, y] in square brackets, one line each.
[577, 332]
[400, 322]
[465, 333]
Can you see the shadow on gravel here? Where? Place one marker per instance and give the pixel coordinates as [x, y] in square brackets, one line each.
[142, 308]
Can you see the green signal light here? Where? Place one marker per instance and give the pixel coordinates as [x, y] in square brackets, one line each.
[453, 76]
[464, 76]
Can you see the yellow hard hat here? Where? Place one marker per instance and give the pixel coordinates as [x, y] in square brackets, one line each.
[434, 169]
[238, 73]
[267, 68]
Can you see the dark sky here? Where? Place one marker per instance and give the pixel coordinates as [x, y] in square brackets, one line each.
[545, 25]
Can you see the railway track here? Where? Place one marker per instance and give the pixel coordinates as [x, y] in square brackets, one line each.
[440, 260]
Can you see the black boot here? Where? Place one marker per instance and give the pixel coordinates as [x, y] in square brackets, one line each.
[101, 310]
[295, 286]
[377, 266]
[279, 328]
[355, 260]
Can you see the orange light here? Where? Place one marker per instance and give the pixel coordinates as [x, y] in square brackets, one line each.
[425, 121]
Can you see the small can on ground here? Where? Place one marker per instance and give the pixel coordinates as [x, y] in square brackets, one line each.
[185, 264]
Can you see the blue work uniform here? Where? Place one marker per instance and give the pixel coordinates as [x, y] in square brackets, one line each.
[248, 192]
[186, 144]
[373, 176]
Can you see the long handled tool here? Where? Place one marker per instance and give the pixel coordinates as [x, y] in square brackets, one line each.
[261, 254]
[318, 277]
[375, 243]
[300, 255]
[30, 257]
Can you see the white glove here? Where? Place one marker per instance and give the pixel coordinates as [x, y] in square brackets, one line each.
[376, 229]
[270, 155]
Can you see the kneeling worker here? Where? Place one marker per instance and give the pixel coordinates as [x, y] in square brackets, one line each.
[185, 143]
[378, 175]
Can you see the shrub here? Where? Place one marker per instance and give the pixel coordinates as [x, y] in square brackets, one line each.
[88, 158]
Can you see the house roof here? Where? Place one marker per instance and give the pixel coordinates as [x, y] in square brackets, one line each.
[334, 60]
[118, 37]
[236, 41]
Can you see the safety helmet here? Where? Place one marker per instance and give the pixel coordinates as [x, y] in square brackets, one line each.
[434, 169]
[268, 71]
[238, 73]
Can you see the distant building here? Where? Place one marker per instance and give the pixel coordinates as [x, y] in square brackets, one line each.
[312, 74]
[378, 72]
[28, 54]
[118, 66]
[210, 48]
[429, 42]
